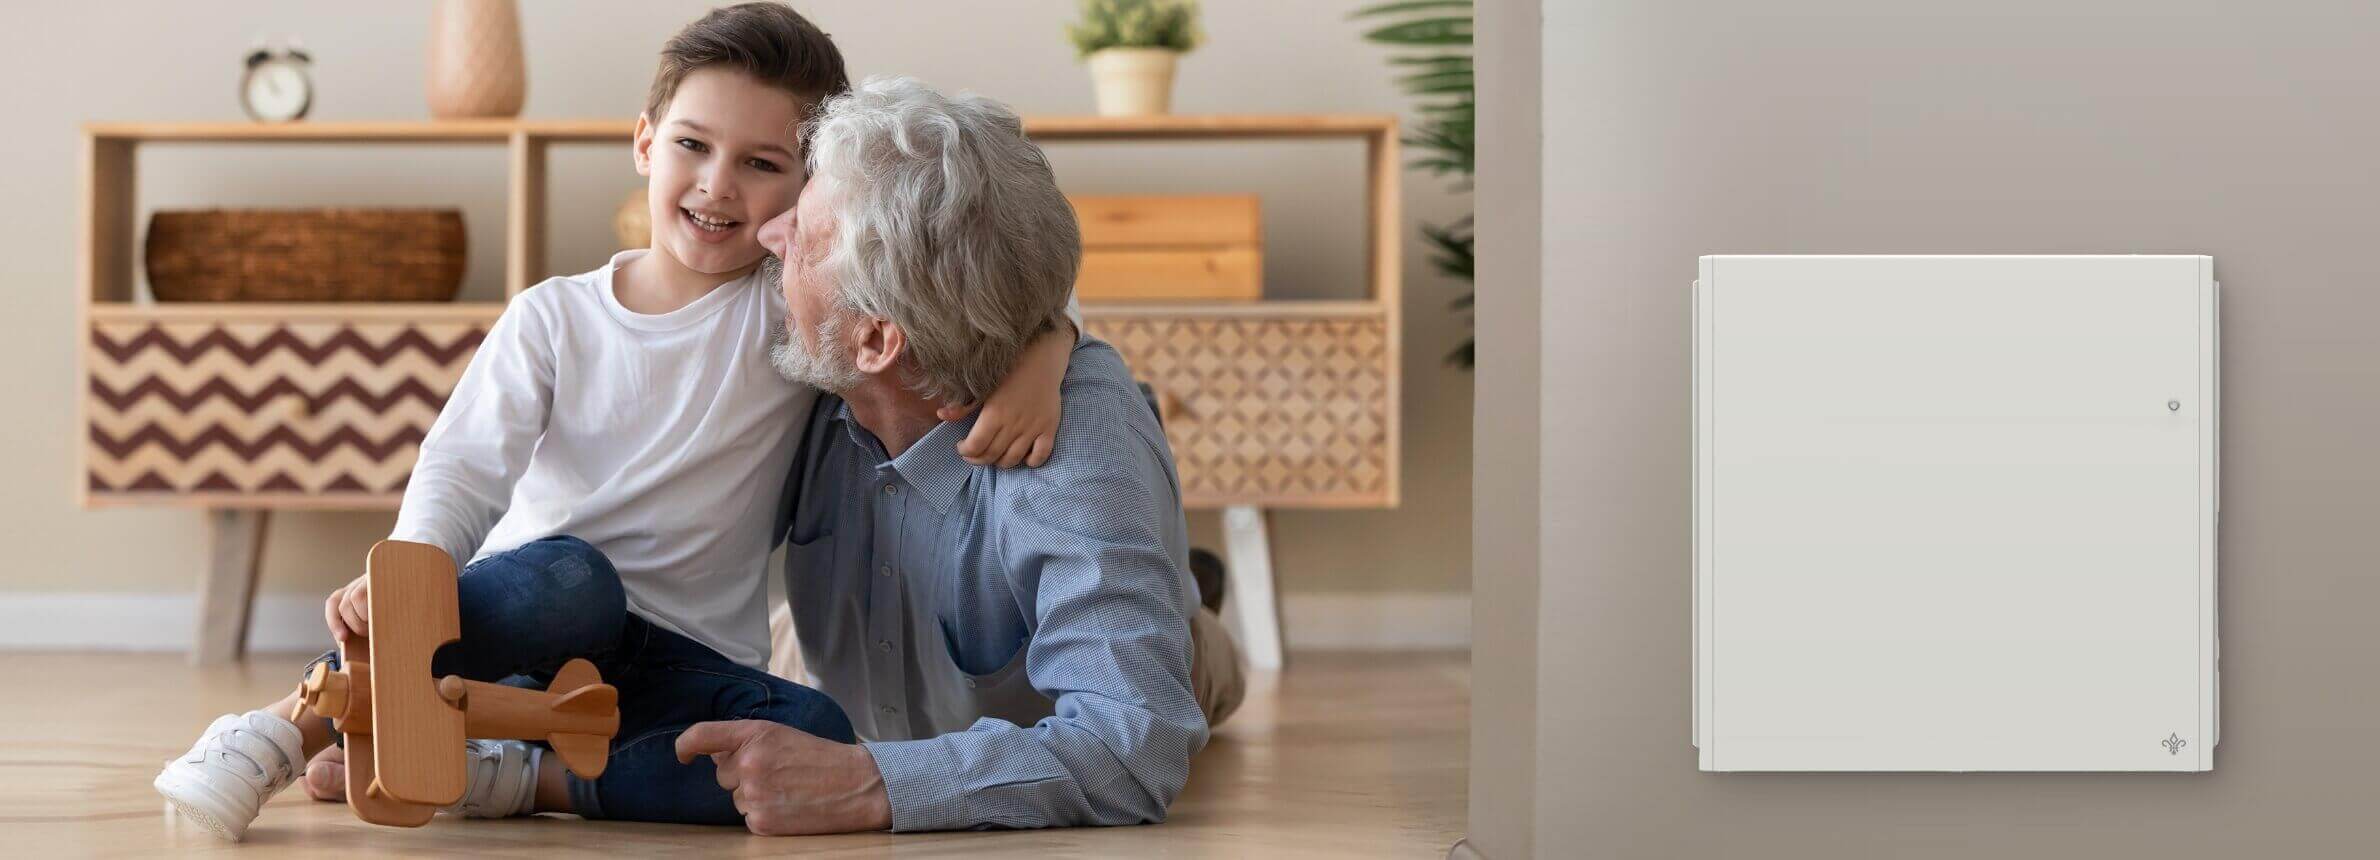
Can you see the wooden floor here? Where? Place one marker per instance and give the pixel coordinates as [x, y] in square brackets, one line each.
[1342, 755]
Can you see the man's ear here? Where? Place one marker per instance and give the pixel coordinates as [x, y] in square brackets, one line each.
[880, 347]
[640, 148]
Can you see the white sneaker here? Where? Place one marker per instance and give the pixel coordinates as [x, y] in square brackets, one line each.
[502, 781]
[241, 762]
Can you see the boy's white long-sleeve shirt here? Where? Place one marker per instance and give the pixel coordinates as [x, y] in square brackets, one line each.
[662, 440]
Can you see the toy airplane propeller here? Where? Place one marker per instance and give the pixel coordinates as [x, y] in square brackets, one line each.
[405, 730]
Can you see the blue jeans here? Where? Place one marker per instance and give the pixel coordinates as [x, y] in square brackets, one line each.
[528, 610]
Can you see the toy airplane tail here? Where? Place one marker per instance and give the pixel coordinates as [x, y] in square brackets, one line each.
[584, 697]
[576, 715]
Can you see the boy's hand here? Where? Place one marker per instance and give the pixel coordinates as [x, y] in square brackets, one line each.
[346, 611]
[1020, 422]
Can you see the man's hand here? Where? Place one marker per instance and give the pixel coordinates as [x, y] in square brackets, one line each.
[346, 610]
[788, 782]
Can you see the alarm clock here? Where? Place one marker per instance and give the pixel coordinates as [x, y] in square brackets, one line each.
[276, 87]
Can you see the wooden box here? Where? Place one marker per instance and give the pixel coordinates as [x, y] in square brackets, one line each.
[1170, 248]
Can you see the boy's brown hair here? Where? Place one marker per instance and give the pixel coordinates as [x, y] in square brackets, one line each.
[769, 41]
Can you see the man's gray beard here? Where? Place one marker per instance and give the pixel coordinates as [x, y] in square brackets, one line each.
[830, 369]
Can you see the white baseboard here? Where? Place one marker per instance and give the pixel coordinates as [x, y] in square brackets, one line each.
[293, 622]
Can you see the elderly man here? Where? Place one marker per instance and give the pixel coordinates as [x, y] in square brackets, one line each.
[1018, 647]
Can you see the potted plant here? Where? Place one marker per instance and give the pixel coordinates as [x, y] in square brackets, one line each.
[1131, 46]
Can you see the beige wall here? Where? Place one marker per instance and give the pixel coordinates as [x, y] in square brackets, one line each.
[154, 60]
[1505, 484]
[2243, 130]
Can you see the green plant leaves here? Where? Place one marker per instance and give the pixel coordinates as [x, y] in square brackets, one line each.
[1438, 74]
[1379, 9]
[1428, 31]
[1434, 83]
[1451, 248]
[1168, 24]
[1462, 60]
[1452, 244]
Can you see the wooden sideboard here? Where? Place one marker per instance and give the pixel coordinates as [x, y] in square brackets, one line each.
[242, 409]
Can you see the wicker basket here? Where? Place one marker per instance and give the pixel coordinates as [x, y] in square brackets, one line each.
[306, 255]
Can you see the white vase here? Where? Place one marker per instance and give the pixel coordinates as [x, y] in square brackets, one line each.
[1132, 81]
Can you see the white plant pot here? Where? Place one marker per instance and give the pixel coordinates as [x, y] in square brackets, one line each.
[1132, 81]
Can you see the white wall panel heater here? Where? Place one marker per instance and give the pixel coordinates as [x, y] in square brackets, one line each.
[1955, 513]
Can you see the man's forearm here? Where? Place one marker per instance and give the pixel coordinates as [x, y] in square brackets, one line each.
[1004, 776]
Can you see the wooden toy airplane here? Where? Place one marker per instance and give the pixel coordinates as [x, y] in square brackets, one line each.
[405, 730]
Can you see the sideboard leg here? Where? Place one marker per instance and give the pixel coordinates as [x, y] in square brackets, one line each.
[1249, 552]
[227, 594]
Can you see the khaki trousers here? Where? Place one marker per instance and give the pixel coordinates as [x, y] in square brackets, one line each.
[1218, 674]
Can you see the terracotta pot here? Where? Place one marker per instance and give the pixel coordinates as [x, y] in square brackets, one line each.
[476, 68]
[1133, 81]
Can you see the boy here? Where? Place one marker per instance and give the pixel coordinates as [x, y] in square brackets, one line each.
[610, 464]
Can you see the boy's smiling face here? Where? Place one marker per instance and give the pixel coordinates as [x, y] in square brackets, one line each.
[720, 160]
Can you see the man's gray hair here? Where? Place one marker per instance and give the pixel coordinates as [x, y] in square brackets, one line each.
[948, 223]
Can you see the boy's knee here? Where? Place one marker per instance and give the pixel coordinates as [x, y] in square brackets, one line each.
[558, 584]
[573, 566]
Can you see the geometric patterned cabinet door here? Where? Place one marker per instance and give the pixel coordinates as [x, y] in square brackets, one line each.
[312, 412]
[1267, 410]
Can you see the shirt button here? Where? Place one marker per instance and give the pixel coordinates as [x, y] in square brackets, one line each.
[890, 489]
[889, 710]
[884, 570]
[970, 683]
[884, 645]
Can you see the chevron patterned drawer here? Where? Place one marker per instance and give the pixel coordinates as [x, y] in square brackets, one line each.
[290, 408]
[1268, 407]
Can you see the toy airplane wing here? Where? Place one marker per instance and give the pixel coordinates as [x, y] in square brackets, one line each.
[417, 736]
[351, 701]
